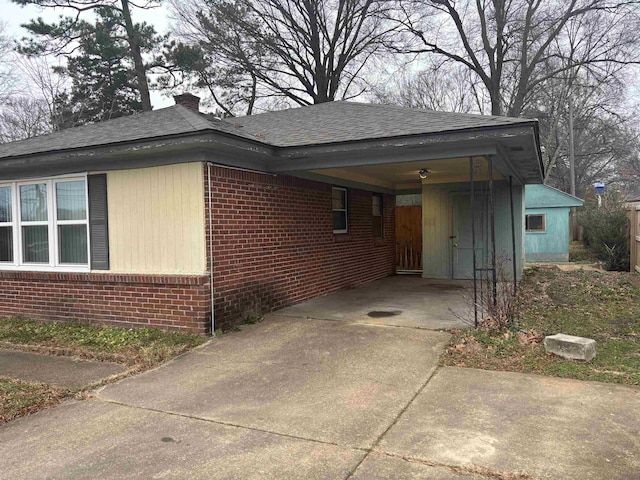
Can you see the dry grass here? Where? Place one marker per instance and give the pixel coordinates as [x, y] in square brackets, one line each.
[604, 306]
[18, 398]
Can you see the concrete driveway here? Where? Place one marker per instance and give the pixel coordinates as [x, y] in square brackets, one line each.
[315, 399]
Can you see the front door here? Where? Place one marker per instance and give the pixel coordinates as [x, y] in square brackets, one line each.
[409, 238]
[461, 239]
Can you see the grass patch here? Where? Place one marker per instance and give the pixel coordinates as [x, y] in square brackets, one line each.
[137, 349]
[19, 398]
[604, 306]
[580, 254]
[132, 347]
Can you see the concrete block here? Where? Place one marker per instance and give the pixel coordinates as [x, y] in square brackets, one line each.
[568, 346]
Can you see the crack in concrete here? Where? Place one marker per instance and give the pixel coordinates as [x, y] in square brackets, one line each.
[462, 469]
[395, 420]
[473, 469]
[227, 424]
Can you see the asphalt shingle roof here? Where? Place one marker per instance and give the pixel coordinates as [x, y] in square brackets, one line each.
[313, 125]
[169, 121]
[348, 121]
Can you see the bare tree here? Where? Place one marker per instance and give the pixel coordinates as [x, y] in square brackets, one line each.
[305, 51]
[605, 138]
[509, 44]
[43, 85]
[7, 60]
[61, 38]
[23, 117]
[629, 172]
[446, 87]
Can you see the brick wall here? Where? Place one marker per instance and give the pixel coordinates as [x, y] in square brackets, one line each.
[274, 245]
[169, 302]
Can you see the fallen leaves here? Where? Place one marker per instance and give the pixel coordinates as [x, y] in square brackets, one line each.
[531, 337]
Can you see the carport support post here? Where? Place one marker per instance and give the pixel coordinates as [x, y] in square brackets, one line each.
[473, 245]
[492, 220]
[513, 238]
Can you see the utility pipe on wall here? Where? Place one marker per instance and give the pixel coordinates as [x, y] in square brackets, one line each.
[210, 218]
[213, 316]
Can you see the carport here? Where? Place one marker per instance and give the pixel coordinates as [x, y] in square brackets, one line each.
[467, 173]
[465, 167]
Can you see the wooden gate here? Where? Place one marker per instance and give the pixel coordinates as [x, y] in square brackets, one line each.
[409, 238]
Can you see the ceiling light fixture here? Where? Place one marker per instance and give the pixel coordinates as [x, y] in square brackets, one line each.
[423, 173]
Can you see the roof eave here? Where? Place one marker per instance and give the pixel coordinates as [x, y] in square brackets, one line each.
[450, 144]
[180, 148]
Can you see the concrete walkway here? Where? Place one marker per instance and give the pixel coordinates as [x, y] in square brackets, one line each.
[65, 372]
[312, 399]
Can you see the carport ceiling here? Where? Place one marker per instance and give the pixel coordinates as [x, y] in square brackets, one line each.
[404, 176]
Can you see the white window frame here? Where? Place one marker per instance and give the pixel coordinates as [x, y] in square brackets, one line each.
[12, 223]
[544, 222]
[345, 209]
[52, 223]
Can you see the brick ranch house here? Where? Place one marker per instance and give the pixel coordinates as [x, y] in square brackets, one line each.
[160, 218]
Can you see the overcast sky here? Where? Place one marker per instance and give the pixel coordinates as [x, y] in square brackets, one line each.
[14, 15]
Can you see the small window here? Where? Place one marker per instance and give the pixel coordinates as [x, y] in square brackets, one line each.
[535, 223]
[339, 199]
[376, 204]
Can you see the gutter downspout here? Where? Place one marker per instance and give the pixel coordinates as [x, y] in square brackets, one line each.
[213, 321]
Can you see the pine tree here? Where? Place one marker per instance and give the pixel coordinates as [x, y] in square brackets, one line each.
[103, 84]
[62, 38]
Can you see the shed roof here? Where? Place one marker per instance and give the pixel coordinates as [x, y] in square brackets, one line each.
[544, 196]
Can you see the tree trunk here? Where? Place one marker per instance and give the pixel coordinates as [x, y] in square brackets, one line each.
[496, 103]
[134, 43]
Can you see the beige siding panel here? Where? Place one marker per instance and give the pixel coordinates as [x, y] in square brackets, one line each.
[156, 220]
[436, 229]
[437, 226]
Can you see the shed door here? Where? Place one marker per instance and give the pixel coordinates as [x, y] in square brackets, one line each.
[409, 238]
[461, 240]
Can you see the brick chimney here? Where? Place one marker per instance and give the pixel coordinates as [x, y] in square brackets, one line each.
[188, 100]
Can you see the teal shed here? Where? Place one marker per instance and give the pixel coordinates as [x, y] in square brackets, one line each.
[547, 223]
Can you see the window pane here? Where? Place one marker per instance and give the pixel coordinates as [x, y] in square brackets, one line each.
[6, 244]
[72, 240]
[33, 203]
[339, 199]
[71, 200]
[5, 204]
[535, 222]
[339, 220]
[35, 244]
[377, 205]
